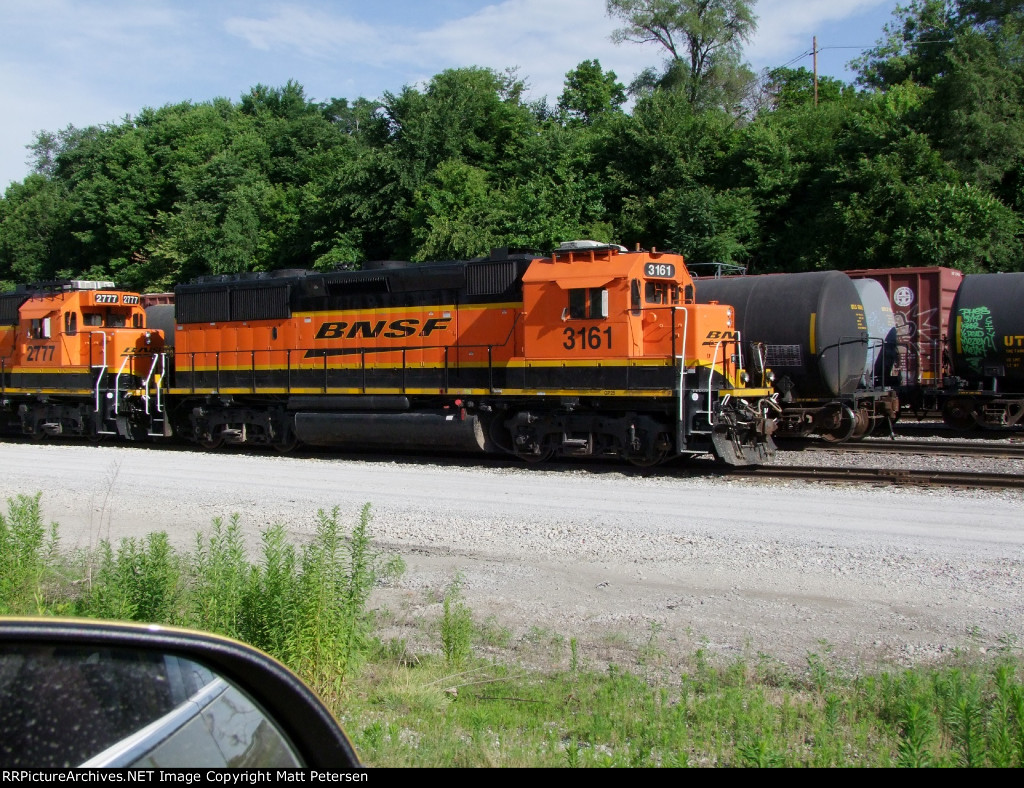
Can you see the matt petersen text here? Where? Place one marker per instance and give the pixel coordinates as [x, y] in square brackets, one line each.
[222, 777]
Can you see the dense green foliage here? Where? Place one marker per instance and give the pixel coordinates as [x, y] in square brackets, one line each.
[923, 164]
[307, 606]
[454, 699]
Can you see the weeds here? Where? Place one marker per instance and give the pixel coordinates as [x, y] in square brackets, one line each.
[27, 556]
[308, 607]
[456, 625]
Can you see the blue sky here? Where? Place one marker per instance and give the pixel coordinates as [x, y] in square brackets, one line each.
[86, 62]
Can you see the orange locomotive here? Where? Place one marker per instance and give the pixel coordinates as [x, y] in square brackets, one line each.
[591, 351]
[76, 359]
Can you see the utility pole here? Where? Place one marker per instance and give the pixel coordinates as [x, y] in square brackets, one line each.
[814, 47]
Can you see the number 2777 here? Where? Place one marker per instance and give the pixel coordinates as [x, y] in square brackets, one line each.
[40, 352]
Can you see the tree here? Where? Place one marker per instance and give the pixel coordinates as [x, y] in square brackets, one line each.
[914, 46]
[590, 92]
[33, 215]
[969, 54]
[786, 88]
[704, 39]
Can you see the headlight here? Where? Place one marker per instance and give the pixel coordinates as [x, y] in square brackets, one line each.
[744, 378]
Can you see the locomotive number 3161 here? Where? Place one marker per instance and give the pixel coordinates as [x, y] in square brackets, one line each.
[587, 338]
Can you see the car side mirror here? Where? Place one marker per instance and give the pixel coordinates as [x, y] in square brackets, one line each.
[83, 693]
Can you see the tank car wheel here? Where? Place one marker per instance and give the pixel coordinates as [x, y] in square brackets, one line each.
[843, 426]
[959, 414]
[287, 445]
[863, 426]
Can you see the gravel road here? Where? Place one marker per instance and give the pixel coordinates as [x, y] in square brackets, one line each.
[597, 553]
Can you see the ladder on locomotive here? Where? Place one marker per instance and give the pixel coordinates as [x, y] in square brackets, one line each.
[152, 396]
[683, 424]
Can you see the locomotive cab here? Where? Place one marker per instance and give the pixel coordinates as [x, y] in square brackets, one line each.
[618, 334]
[78, 359]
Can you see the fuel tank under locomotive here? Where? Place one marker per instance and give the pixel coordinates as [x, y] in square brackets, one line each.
[808, 328]
[386, 422]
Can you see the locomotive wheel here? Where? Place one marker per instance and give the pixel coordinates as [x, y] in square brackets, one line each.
[286, 445]
[960, 414]
[646, 461]
[657, 455]
[533, 459]
[211, 443]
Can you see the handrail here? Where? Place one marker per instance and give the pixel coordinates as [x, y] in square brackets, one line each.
[157, 357]
[681, 431]
[362, 352]
[711, 388]
[103, 367]
[117, 385]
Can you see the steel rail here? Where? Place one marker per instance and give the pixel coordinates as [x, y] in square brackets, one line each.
[892, 476]
[940, 448]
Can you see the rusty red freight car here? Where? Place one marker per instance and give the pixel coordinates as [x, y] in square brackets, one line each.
[921, 299]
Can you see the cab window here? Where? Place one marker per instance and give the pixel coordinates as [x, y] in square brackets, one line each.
[92, 319]
[661, 292]
[40, 328]
[70, 323]
[588, 302]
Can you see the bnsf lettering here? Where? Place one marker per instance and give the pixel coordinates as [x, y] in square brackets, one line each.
[721, 335]
[396, 329]
[401, 328]
[362, 328]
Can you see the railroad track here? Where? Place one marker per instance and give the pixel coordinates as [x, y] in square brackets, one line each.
[891, 476]
[935, 448]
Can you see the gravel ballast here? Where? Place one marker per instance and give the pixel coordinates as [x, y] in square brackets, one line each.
[597, 553]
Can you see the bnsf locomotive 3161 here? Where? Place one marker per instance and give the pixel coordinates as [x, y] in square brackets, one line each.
[591, 351]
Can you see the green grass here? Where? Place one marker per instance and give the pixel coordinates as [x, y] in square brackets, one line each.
[447, 704]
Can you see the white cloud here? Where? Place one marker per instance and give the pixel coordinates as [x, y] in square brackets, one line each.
[787, 25]
[313, 33]
[543, 39]
[74, 62]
